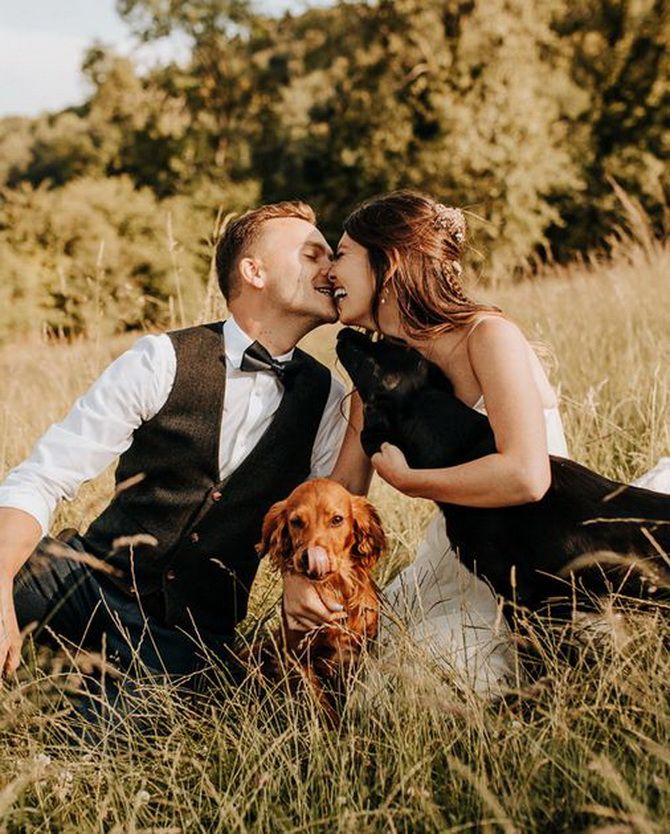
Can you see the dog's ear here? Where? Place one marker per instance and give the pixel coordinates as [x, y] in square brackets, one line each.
[369, 538]
[276, 539]
[376, 428]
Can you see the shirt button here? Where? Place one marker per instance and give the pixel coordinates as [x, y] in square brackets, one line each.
[195, 537]
[216, 495]
[170, 574]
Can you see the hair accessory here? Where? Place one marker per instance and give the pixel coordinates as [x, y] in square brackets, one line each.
[450, 220]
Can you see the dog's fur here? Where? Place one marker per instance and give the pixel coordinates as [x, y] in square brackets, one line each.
[587, 533]
[335, 538]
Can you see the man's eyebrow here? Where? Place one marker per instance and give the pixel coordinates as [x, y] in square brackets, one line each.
[319, 246]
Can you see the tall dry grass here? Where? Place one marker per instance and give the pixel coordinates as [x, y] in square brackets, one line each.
[586, 749]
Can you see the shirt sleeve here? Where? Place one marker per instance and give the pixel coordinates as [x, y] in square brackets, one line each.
[98, 428]
[330, 432]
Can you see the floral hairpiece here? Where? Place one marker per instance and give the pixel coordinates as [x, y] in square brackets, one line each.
[451, 220]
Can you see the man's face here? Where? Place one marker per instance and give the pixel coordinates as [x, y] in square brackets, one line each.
[295, 260]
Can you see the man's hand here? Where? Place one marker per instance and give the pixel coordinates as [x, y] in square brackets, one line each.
[10, 636]
[304, 607]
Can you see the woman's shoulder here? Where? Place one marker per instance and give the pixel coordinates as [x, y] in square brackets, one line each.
[492, 335]
[491, 327]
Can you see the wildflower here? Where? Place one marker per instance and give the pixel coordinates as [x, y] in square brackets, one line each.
[42, 761]
[64, 783]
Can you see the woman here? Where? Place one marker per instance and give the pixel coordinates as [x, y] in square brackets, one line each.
[398, 270]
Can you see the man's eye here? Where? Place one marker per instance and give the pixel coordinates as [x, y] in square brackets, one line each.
[336, 520]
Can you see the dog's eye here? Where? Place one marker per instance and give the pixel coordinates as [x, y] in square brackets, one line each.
[336, 520]
[391, 381]
[296, 522]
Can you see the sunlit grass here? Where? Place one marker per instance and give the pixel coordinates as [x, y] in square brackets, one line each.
[586, 749]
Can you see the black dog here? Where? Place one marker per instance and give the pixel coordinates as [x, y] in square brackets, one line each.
[529, 553]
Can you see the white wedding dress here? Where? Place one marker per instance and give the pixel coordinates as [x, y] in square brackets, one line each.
[450, 613]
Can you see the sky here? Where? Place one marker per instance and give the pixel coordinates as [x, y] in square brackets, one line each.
[42, 43]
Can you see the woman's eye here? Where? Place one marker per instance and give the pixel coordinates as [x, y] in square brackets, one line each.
[336, 520]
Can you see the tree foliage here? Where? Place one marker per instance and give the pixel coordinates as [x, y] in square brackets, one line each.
[520, 111]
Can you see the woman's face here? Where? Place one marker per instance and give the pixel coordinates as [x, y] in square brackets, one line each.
[353, 283]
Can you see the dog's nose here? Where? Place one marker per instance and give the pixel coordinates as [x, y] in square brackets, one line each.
[315, 562]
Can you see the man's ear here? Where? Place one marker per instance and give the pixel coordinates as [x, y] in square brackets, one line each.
[251, 271]
[369, 538]
[276, 539]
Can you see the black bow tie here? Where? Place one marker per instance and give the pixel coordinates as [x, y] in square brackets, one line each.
[257, 358]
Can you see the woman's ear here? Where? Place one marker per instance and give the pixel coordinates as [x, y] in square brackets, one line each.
[369, 538]
[394, 262]
[276, 539]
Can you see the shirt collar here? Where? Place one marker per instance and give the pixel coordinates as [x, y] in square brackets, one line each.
[236, 341]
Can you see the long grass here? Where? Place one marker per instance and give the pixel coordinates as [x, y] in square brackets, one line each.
[587, 748]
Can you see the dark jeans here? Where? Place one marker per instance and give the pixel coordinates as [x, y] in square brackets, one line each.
[79, 607]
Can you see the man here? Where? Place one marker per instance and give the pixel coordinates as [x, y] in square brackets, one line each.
[212, 424]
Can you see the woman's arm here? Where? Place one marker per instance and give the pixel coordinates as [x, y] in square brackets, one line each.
[519, 471]
[352, 468]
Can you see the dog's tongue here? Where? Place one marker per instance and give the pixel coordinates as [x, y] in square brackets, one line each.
[317, 559]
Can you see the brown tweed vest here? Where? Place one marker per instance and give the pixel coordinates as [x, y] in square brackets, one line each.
[203, 561]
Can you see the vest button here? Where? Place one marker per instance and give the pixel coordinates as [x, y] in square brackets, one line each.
[170, 574]
[216, 495]
[195, 537]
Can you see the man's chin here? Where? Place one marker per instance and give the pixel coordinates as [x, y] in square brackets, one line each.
[349, 320]
[327, 317]
[332, 316]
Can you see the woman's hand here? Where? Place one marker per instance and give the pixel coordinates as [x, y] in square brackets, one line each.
[391, 465]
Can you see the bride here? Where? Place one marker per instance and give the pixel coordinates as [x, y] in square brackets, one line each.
[397, 270]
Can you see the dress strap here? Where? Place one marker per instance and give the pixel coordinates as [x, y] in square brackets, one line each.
[476, 325]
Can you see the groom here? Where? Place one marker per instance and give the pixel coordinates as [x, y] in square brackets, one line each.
[213, 424]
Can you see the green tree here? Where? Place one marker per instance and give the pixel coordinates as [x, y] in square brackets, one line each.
[95, 254]
[431, 95]
[620, 56]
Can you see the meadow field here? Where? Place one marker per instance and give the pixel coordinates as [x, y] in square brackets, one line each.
[584, 749]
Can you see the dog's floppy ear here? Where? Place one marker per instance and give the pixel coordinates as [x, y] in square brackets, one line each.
[369, 538]
[276, 540]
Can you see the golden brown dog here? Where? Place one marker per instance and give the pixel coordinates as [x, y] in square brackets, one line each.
[335, 538]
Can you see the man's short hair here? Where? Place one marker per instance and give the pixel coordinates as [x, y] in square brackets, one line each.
[241, 232]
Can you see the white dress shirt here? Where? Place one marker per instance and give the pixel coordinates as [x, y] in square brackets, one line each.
[131, 391]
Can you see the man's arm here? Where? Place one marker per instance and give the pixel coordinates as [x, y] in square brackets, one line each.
[303, 606]
[98, 428]
[19, 536]
[353, 468]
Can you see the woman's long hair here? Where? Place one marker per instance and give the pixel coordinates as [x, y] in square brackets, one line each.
[424, 240]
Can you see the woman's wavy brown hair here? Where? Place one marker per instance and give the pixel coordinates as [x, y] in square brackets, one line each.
[424, 240]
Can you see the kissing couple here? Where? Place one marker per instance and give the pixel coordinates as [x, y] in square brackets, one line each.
[213, 424]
